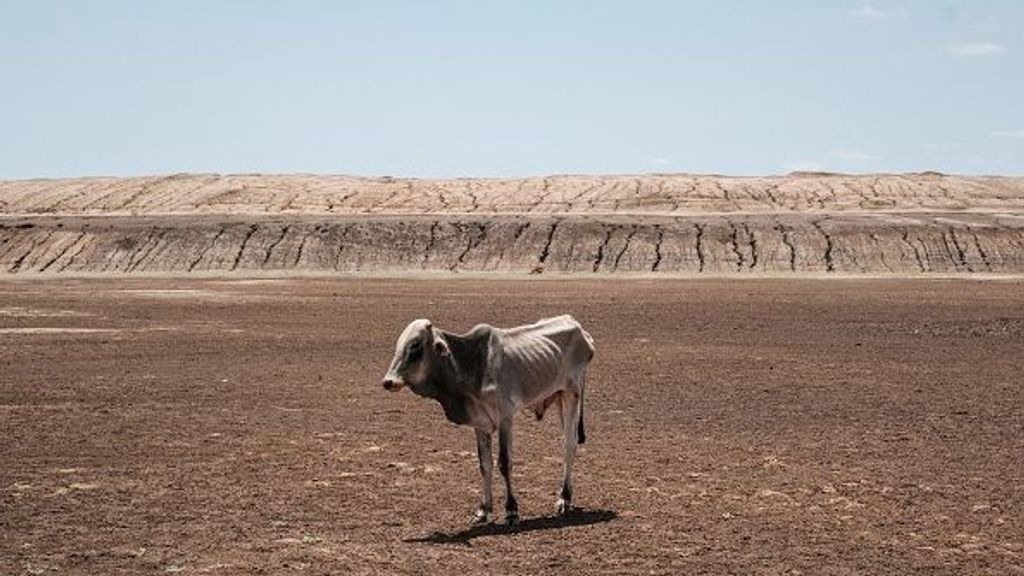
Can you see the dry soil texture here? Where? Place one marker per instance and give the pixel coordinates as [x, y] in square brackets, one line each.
[748, 427]
[662, 224]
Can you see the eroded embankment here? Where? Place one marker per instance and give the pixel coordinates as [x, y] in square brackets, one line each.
[667, 223]
[882, 244]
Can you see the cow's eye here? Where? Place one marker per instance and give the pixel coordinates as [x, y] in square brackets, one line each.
[415, 351]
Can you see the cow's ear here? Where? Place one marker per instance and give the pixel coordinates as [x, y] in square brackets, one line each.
[441, 347]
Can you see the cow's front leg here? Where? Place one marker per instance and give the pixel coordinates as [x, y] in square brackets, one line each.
[505, 465]
[483, 453]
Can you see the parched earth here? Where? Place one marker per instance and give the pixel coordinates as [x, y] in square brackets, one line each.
[897, 225]
[228, 426]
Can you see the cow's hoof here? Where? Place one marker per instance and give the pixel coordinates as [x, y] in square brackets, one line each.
[512, 519]
[480, 517]
[564, 507]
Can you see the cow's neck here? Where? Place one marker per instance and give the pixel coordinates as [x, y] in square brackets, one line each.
[460, 376]
[468, 357]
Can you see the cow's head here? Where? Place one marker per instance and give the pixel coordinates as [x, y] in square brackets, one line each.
[419, 350]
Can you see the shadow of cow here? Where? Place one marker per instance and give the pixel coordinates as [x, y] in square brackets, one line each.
[465, 537]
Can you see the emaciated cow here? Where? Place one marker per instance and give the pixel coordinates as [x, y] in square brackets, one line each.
[482, 378]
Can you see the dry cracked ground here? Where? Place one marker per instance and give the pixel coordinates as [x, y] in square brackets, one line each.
[757, 426]
[667, 224]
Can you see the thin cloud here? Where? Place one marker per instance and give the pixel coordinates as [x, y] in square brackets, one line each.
[658, 161]
[976, 49]
[1008, 134]
[944, 147]
[851, 155]
[871, 13]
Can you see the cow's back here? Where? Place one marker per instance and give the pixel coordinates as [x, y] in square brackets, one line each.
[543, 357]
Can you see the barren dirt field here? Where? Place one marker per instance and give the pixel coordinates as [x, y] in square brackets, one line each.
[744, 426]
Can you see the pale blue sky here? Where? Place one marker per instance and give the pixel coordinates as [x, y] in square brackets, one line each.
[487, 88]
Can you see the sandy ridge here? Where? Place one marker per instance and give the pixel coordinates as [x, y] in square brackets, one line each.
[668, 193]
[878, 224]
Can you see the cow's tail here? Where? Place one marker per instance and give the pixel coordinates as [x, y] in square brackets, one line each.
[581, 434]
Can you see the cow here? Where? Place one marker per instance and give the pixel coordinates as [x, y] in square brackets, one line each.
[483, 377]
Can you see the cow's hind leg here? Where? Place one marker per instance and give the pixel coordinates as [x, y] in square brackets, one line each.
[505, 465]
[483, 452]
[570, 421]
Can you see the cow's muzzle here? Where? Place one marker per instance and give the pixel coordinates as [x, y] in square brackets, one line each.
[392, 385]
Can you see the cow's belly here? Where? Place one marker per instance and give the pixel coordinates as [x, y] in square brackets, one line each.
[530, 387]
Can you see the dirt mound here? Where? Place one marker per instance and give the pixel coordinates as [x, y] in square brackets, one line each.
[897, 224]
